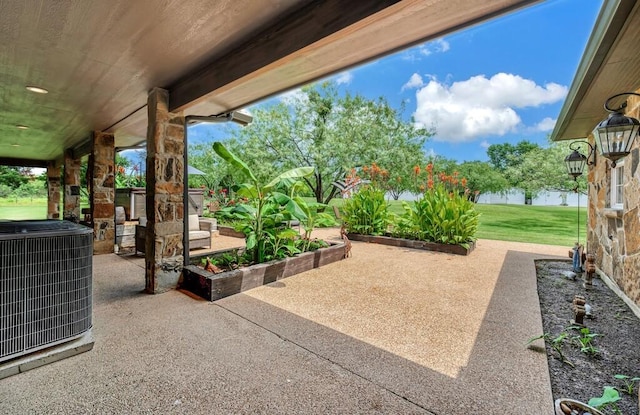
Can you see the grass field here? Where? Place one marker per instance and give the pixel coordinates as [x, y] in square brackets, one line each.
[550, 225]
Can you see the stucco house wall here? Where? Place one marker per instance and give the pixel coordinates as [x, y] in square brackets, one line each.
[614, 234]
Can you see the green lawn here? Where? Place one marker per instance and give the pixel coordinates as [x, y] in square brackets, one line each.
[551, 225]
[23, 208]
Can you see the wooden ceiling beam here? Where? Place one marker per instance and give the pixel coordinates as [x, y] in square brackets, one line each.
[298, 30]
[17, 162]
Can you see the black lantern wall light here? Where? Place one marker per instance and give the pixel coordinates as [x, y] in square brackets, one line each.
[613, 136]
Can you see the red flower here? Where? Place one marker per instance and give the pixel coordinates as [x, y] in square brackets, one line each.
[416, 170]
[430, 184]
[464, 182]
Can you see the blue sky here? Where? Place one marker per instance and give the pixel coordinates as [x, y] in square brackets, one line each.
[502, 81]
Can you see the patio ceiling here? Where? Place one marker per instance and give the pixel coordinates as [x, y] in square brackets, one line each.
[610, 65]
[98, 59]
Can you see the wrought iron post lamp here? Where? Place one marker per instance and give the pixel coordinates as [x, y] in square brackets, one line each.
[614, 136]
[575, 166]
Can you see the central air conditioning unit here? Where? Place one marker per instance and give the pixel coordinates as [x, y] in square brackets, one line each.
[45, 285]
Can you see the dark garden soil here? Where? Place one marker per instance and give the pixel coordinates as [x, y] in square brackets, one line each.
[618, 340]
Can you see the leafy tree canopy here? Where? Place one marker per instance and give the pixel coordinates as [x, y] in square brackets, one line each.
[482, 178]
[12, 177]
[544, 169]
[331, 133]
[503, 156]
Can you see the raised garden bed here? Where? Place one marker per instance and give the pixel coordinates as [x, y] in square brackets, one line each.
[411, 243]
[229, 231]
[216, 286]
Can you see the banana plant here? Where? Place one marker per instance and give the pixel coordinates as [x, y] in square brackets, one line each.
[266, 213]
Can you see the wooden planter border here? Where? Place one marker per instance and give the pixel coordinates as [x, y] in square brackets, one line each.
[410, 243]
[216, 286]
[229, 231]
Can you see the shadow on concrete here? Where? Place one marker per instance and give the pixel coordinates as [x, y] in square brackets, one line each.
[171, 353]
[502, 375]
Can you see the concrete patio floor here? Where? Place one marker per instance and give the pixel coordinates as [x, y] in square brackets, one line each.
[389, 330]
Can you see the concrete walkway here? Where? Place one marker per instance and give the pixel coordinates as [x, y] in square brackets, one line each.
[389, 330]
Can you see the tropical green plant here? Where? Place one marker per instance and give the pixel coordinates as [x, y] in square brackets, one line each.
[313, 214]
[366, 212]
[128, 175]
[629, 383]
[443, 214]
[556, 343]
[267, 210]
[439, 216]
[585, 340]
[608, 399]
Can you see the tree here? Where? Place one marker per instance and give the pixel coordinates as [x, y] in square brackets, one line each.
[31, 189]
[332, 134]
[544, 169]
[217, 174]
[12, 177]
[503, 156]
[482, 178]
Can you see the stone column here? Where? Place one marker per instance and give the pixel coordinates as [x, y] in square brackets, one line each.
[71, 188]
[165, 185]
[102, 192]
[53, 191]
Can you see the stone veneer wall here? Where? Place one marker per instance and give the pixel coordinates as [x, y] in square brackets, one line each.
[71, 210]
[53, 191]
[103, 193]
[614, 235]
[164, 247]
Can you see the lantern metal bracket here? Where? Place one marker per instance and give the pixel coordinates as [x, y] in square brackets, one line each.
[622, 106]
[591, 157]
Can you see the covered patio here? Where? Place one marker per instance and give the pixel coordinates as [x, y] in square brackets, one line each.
[388, 330]
[85, 79]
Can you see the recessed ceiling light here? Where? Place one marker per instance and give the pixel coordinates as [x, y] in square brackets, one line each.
[22, 127]
[37, 89]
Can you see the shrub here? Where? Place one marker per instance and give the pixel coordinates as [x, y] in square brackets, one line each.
[439, 216]
[367, 212]
[443, 214]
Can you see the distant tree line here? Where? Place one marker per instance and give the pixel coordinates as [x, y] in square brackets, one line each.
[19, 182]
[338, 134]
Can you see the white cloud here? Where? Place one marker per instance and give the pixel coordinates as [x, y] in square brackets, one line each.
[485, 144]
[344, 78]
[414, 82]
[441, 45]
[293, 96]
[480, 106]
[546, 124]
[416, 53]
